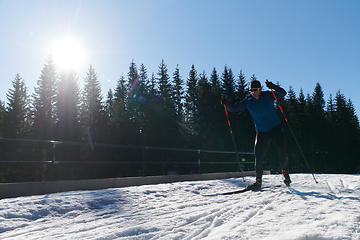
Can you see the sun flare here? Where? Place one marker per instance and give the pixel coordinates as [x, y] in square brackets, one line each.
[68, 54]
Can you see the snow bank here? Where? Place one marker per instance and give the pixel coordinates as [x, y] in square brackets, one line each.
[328, 210]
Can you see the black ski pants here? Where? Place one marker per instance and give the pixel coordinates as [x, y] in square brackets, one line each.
[262, 142]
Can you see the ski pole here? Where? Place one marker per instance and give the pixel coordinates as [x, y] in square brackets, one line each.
[293, 134]
[232, 137]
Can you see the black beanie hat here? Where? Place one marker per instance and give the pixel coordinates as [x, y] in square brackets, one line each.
[255, 84]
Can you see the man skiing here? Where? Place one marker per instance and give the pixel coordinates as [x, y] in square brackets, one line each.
[267, 125]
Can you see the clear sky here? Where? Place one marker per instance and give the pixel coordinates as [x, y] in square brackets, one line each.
[295, 43]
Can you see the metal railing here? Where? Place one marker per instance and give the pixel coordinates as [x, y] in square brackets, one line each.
[143, 162]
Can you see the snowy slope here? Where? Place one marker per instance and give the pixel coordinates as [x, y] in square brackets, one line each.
[328, 210]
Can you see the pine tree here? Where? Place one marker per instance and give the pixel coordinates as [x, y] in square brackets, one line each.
[120, 117]
[152, 108]
[292, 108]
[294, 114]
[132, 79]
[215, 84]
[318, 99]
[165, 87]
[143, 90]
[178, 94]
[93, 122]
[242, 122]
[330, 112]
[346, 137]
[92, 109]
[44, 117]
[68, 127]
[109, 104]
[204, 113]
[229, 93]
[317, 121]
[17, 118]
[166, 109]
[143, 103]
[44, 114]
[6, 171]
[133, 87]
[242, 90]
[228, 84]
[2, 118]
[191, 98]
[67, 106]
[354, 120]
[134, 98]
[302, 103]
[179, 98]
[253, 78]
[152, 87]
[220, 129]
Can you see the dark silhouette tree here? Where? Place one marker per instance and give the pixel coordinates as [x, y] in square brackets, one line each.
[17, 119]
[92, 112]
[44, 118]
[68, 108]
[191, 97]
[68, 126]
[44, 114]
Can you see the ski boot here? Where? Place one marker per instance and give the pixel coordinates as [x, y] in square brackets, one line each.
[256, 186]
[286, 175]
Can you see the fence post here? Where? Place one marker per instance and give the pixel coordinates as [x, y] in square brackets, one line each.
[199, 167]
[53, 162]
[143, 162]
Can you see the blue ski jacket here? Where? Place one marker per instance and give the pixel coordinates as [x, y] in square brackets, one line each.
[262, 110]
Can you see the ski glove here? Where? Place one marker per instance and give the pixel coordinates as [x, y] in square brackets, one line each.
[223, 101]
[271, 85]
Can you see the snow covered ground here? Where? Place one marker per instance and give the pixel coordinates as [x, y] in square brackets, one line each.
[327, 210]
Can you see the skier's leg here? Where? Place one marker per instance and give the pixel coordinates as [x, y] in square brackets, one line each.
[279, 141]
[262, 142]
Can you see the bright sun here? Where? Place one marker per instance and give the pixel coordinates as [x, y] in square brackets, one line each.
[68, 54]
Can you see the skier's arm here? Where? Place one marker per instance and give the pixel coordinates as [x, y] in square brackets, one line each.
[237, 107]
[279, 92]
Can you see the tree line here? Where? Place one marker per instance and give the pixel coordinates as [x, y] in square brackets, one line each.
[161, 110]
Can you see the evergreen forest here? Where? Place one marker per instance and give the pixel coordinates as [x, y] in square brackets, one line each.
[65, 131]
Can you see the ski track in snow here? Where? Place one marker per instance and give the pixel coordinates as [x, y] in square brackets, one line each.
[327, 210]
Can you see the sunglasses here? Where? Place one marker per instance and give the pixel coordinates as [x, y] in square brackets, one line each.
[254, 89]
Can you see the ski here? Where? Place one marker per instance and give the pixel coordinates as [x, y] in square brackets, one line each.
[227, 193]
[234, 192]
